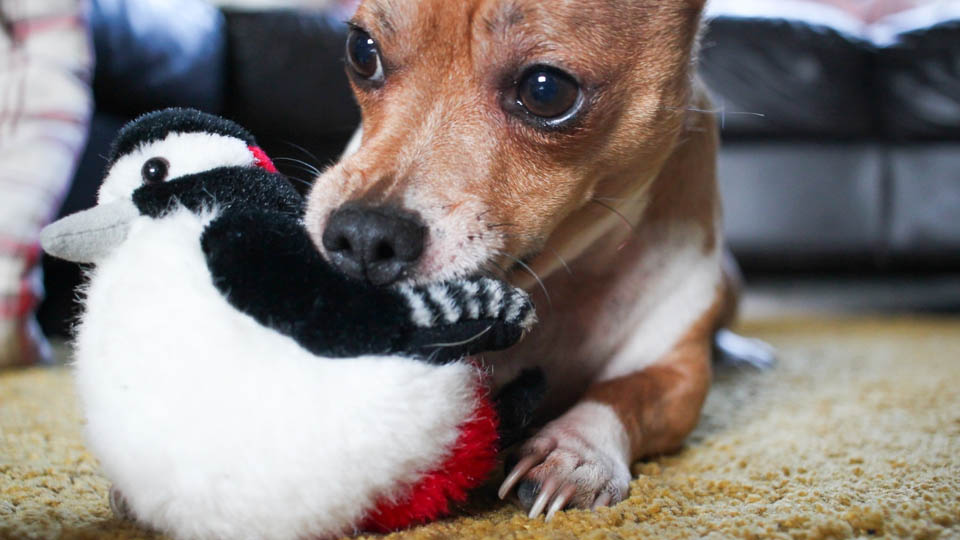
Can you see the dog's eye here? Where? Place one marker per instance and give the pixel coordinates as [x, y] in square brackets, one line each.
[155, 170]
[548, 93]
[364, 56]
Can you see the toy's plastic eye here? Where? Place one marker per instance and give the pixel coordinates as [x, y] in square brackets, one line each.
[363, 55]
[155, 170]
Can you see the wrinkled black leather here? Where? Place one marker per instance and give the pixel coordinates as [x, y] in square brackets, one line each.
[152, 55]
[805, 81]
[919, 81]
[287, 82]
[811, 81]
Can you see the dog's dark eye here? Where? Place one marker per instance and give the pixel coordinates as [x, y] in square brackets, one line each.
[155, 170]
[547, 92]
[363, 56]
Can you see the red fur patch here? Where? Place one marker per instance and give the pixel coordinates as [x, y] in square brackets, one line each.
[471, 459]
[262, 159]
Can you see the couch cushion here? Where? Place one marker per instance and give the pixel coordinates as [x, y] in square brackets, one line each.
[918, 82]
[802, 198]
[153, 54]
[780, 77]
[292, 88]
[925, 200]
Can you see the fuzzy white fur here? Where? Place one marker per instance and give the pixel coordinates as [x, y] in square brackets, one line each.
[682, 289]
[187, 153]
[213, 426]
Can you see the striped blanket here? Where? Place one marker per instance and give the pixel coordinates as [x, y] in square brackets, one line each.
[46, 63]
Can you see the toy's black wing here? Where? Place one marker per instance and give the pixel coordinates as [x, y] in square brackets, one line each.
[266, 266]
[517, 403]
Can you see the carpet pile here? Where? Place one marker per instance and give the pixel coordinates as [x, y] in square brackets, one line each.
[855, 433]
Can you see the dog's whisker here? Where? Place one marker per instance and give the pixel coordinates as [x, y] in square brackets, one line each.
[304, 169]
[633, 229]
[459, 343]
[563, 262]
[722, 112]
[298, 179]
[309, 154]
[309, 167]
[714, 111]
[503, 271]
[526, 267]
[611, 199]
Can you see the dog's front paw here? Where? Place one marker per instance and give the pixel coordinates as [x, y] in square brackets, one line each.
[564, 466]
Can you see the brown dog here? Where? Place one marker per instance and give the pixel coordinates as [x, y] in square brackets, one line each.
[564, 144]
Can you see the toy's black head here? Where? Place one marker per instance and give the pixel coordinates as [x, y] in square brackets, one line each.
[182, 157]
[172, 143]
[156, 126]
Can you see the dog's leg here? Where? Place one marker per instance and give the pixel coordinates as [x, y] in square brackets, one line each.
[582, 459]
[729, 348]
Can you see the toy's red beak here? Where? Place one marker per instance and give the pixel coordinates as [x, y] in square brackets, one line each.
[262, 160]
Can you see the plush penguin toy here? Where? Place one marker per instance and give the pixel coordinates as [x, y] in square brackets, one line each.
[235, 386]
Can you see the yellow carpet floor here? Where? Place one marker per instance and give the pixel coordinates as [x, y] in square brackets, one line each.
[855, 434]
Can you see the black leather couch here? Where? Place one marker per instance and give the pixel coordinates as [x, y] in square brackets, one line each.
[855, 161]
[838, 152]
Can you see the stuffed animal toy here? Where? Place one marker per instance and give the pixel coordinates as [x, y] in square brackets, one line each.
[236, 386]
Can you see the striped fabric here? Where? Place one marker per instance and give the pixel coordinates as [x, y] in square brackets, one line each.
[46, 63]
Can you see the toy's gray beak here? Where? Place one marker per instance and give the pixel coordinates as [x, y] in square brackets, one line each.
[88, 236]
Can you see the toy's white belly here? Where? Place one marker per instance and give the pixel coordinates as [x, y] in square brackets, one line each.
[195, 410]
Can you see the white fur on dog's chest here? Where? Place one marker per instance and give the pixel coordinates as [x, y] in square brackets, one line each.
[600, 328]
[197, 410]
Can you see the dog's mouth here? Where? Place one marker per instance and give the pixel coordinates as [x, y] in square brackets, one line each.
[521, 263]
[389, 244]
[499, 263]
[416, 232]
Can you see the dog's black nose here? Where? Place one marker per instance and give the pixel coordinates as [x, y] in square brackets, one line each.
[377, 244]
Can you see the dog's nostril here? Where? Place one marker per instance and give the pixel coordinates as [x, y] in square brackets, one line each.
[340, 244]
[375, 244]
[384, 252]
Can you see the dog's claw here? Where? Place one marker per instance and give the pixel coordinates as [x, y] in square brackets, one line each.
[568, 472]
[602, 500]
[519, 470]
[546, 492]
[562, 499]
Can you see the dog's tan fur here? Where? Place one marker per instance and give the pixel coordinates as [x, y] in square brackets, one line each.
[618, 215]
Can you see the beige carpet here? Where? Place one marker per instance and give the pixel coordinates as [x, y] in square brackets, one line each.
[856, 433]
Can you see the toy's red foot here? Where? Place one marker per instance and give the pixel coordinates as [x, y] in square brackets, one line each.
[470, 462]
